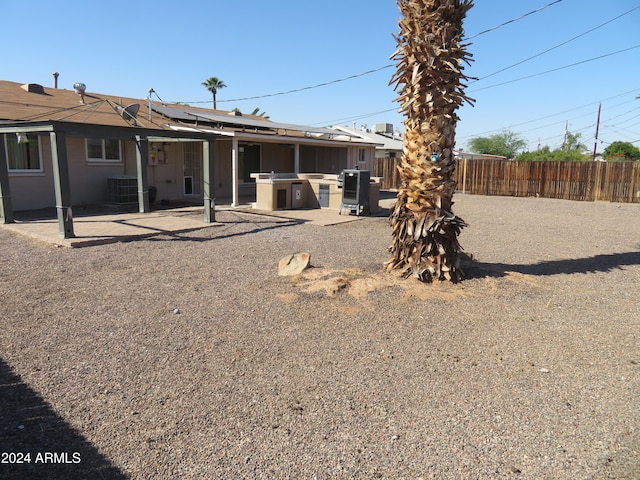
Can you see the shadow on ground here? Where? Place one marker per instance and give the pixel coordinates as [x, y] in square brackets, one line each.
[597, 263]
[28, 425]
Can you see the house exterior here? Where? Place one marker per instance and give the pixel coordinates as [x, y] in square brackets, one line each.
[73, 147]
[389, 143]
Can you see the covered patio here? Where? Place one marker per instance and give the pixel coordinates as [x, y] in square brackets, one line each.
[59, 131]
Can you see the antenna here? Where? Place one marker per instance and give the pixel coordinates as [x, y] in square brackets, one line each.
[151, 90]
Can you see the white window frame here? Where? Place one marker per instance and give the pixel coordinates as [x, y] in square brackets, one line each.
[103, 159]
[25, 171]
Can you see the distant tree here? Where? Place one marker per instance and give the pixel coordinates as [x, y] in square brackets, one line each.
[572, 142]
[213, 84]
[572, 151]
[257, 112]
[545, 154]
[505, 144]
[621, 151]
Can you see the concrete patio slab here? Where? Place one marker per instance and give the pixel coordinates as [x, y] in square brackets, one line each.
[122, 227]
[108, 228]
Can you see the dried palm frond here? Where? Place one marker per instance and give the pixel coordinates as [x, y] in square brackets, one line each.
[430, 63]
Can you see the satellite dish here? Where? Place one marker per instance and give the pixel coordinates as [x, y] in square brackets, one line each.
[130, 112]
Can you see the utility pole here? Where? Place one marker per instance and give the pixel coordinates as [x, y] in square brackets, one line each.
[595, 146]
[564, 141]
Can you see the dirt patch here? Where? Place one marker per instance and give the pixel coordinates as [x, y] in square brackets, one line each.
[359, 284]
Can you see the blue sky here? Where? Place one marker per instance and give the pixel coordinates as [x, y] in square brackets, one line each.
[261, 48]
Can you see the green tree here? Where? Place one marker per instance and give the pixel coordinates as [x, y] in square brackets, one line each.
[572, 151]
[621, 151]
[545, 154]
[505, 144]
[572, 142]
[213, 84]
[257, 112]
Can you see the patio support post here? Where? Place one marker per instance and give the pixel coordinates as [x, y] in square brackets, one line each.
[6, 209]
[296, 158]
[207, 173]
[142, 160]
[62, 183]
[235, 200]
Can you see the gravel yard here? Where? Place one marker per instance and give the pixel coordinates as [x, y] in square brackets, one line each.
[186, 356]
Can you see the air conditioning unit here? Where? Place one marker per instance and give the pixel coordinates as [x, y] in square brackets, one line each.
[383, 128]
[122, 189]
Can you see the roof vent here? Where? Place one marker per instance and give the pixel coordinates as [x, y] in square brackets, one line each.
[33, 88]
[80, 89]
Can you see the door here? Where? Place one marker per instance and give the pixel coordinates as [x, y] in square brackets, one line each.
[296, 196]
[192, 176]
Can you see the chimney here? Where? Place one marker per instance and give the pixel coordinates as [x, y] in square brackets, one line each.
[55, 79]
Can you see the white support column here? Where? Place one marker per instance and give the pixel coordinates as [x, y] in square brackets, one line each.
[296, 158]
[235, 200]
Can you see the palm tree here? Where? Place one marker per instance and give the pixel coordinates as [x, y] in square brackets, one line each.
[213, 84]
[429, 78]
[258, 113]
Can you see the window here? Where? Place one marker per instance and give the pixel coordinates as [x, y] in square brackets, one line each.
[248, 162]
[103, 151]
[361, 155]
[23, 157]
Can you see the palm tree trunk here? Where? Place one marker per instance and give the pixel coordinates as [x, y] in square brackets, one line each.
[429, 75]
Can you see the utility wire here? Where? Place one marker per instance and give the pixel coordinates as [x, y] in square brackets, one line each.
[556, 69]
[512, 20]
[554, 47]
[368, 72]
[324, 84]
[553, 115]
[352, 118]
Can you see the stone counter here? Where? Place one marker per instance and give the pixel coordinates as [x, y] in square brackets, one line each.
[291, 191]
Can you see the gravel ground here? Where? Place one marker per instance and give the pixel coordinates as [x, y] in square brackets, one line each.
[529, 369]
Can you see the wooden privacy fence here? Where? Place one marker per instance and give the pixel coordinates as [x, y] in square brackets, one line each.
[588, 181]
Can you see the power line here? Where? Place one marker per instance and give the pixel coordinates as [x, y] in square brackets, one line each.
[556, 46]
[368, 72]
[513, 20]
[556, 69]
[295, 90]
[353, 118]
[629, 92]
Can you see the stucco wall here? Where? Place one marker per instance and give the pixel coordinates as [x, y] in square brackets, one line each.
[88, 180]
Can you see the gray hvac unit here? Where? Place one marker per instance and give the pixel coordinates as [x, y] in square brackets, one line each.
[355, 191]
[122, 189]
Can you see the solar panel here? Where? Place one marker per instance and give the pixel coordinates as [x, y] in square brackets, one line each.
[238, 120]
